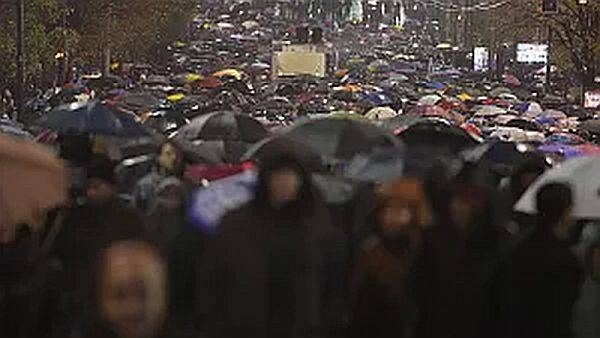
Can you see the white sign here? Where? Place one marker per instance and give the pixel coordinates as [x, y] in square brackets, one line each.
[532, 53]
[592, 99]
[481, 58]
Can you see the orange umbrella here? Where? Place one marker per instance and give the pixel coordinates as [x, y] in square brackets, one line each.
[32, 181]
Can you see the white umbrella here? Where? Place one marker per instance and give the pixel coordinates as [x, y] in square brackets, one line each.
[429, 100]
[225, 25]
[250, 24]
[489, 111]
[582, 174]
[380, 113]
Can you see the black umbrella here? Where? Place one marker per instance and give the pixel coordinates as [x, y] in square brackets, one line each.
[282, 144]
[437, 134]
[165, 122]
[92, 118]
[223, 126]
[524, 124]
[501, 156]
[139, 101]
[575, 111]
[342, 139]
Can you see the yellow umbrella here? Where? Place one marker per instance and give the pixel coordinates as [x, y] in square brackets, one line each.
[465, 97]
[32, 180]
[193, 77]
[229, 73]
[176, 97]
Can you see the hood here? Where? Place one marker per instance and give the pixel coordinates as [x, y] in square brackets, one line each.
[306, 196]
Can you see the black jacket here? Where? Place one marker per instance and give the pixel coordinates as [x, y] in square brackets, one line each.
[540, 285]
[248, 290]
[31, 294]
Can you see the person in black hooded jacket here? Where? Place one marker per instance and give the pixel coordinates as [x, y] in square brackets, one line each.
[277, 265]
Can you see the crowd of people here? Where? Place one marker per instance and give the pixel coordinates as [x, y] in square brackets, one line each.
[280, 265]
[427, 243]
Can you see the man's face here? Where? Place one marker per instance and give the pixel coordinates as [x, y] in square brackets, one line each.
[99, 191]
[284, 186]
[168, 157]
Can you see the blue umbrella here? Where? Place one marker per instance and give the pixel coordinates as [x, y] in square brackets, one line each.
[377, 98]
[435, 85]
[91, 118]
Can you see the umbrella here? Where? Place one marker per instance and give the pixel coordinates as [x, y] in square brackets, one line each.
[496, 92]
[380, 113]
[157, 80]
[137, 102]
[429, 100]
[33, 181]
[165, 122]
[437, 134]
[400, 122]
[582, 175]
[524, 124]
[225, 26]
[224, 126]
[341, 139]
[529, 107]
[282, 144]
[91, 118]
[234, 73]
[435, 85]
[592, 126]
[565, 139]
[209, 82]
[436, 111]
[250, 24]
[511, 80]
[553, 114]
[501, 155]
[13, 128]
[489, 111]
[380, 167]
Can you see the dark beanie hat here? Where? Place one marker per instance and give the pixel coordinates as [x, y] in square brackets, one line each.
[102, 168]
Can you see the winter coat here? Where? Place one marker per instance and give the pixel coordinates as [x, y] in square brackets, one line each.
[455, 284]
[540, 285]
[31, 295]
[143, 192]
[382, 301]
[275, 273]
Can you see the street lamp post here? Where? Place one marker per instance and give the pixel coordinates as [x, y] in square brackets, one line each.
[20, 44]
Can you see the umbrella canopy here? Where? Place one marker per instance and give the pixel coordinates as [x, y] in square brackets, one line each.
[592, 126]
[227, 126]
[234, 73]
[501, 155]
[380, 167]
[496, 92]
[138, 102]
[91, 118]
[165, 122]
[33, 181]
[437, 134]
[436, 111]
[489, 111]
[285, 145]
[524, 124]
[429, 100]
[380, 113]
[341, 139]
[582, 175]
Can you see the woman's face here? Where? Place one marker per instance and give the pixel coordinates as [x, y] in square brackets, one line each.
[132, 295]
[396, 220]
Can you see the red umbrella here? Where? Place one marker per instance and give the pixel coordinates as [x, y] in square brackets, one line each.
[510, 79]
[208, 82]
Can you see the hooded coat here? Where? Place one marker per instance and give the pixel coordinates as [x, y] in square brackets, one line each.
[275, 272]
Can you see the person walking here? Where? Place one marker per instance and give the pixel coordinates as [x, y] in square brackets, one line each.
[383, 304]
[90, 228]
[277, 266]
[542, 278]
[457, 267]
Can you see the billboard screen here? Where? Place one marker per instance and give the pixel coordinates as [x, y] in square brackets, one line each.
[481, 58]
[592, 99]
[532, 53]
